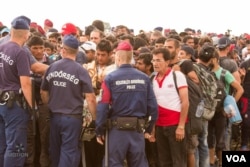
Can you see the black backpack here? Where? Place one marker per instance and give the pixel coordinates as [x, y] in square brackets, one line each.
[195, 97]
[221, 91]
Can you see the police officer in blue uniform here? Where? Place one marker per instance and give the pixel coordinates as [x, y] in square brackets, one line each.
[127, 100]
[64, 87]
[14, 79]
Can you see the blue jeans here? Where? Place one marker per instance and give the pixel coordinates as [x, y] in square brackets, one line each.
[202, 152]
[13, 136]
[64, 140]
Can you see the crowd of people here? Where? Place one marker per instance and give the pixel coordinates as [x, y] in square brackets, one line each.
[92, 98]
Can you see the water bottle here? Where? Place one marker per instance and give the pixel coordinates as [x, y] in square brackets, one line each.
[235, 114]
[200, 109]
[229, 109]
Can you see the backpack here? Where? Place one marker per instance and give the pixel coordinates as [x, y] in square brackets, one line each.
[213, 91]
[194, 96]
[221, 91]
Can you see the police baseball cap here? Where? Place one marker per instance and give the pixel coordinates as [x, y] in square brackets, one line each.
[21, 22]
[71, 41]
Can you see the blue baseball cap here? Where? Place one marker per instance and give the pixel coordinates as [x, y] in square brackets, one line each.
[21, 22]
[71, 41]
[224, 42]
[158, 29]
[189, 50]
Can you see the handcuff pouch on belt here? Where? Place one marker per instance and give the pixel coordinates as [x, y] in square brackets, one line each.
[9, 98]
[4, 96]
[129, 123]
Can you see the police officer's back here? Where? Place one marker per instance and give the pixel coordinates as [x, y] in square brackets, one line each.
[14, 79]
[64, 86]
[127, 99]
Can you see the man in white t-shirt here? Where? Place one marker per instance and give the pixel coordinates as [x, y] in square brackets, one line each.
[173, 106]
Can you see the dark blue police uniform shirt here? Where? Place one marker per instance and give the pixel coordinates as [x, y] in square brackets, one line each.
[126, 92]
[66, 81]
[14, 62]
[6, 39]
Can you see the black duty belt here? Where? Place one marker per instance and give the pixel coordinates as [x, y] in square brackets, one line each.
[128, 123]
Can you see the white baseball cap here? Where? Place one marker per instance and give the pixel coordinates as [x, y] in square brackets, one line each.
[89, 45]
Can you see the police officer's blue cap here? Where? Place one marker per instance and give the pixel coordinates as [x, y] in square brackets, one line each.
[21, 22]
[158, 29]
[71, 41]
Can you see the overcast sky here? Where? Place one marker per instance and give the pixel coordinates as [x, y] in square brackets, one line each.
[208, 15]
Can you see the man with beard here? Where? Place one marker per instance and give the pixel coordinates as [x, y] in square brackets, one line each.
[173, 45]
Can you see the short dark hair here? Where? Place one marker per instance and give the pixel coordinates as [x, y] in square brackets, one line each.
[89, 29]
[35, 40]
[114, 45]
[139, 42]
[129, 37]
[146, 57]
[144, 36]
[165, 52]
[207, 52]
[104, 45]
[55, 35]
[111, 38]
[203, 40]
[161, 40]
[48, 44]
[186, 38]
[176, 42]
[99, 24]
[183, 34]
[173, 36]
[188, 29]
[123, 26]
